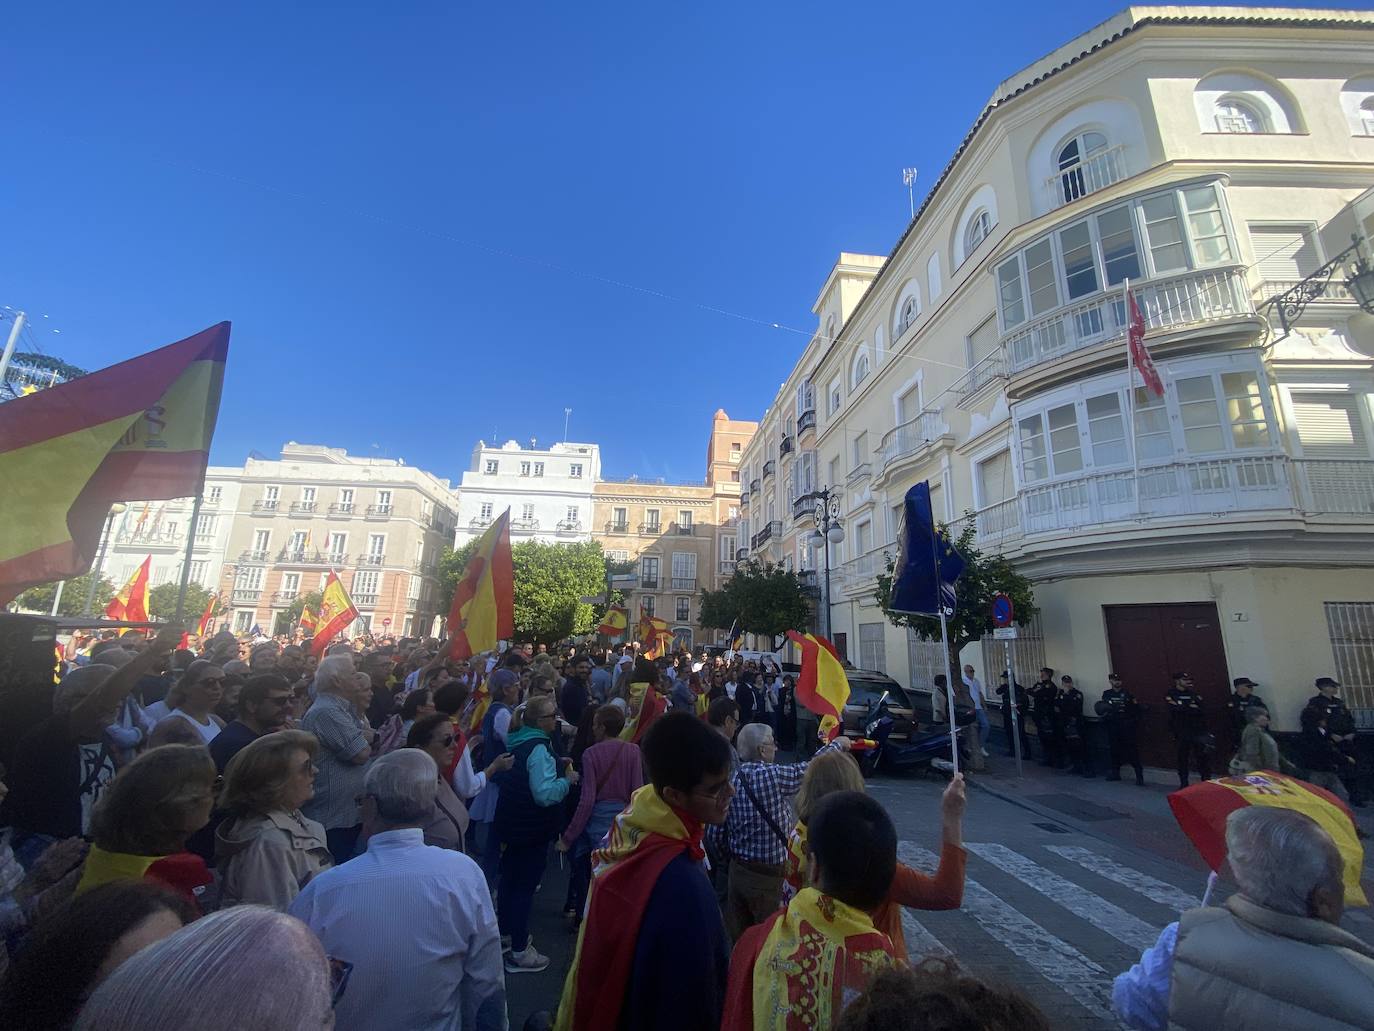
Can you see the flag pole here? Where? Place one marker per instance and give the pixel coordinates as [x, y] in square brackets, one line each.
[1130, 404]
[944, 639]
[186, 561]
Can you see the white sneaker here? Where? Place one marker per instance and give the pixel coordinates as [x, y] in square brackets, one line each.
[531, 961]
[986, 754]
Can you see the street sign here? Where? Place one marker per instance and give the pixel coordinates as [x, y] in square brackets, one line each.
[1004, 633]
[593, 599]
[1002, 611]
[386, 621]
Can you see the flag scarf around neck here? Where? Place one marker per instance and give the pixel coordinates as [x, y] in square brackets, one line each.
[1201, 812]
[647, 705]
[794, 868]
[131, 602]
[485, 597]
[135, 431]
[337, 611]
[816, 956]
[927, 564]
[644, 839]
[822, 686]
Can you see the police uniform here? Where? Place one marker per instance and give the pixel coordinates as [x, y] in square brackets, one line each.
[1188, 723]
[1339, 723]
[1068, 716]
[1006, 695]
[1237, 709]
[1122, 714]
[1042, 696]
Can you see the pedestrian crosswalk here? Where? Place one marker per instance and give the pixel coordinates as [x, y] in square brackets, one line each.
[1037, 917]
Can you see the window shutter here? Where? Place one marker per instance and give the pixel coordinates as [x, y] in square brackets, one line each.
[994, 479]
[1284, 253]
[1329, 426]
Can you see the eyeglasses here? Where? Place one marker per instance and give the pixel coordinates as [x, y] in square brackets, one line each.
[278, 700]
[210, 680]
[446, 740]
[309, 767]
[719, 794]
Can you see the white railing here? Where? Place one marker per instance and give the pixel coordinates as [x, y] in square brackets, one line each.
[1097, 172]
[1186, 300]
[862, 572]
[988, 368]
[911, 437]
[994, 527]
[1336, 487]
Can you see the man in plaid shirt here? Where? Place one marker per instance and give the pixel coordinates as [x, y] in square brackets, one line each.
[754, 834]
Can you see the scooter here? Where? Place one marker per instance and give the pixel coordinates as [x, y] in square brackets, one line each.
[911, 756]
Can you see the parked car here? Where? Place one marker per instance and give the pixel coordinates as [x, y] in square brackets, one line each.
[866, 687]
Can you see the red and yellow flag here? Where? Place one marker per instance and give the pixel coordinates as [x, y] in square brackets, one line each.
[615, 621]
[822, 686]
[484, 601]
[1201, 812]
[203, 627]
[131, 602]
[137, 430]
[654, 634]
[307, 622]
[336, 612]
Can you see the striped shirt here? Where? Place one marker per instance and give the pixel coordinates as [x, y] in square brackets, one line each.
[338, 782]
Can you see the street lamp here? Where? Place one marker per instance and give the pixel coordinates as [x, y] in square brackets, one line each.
[828, 531]
[1359, 280]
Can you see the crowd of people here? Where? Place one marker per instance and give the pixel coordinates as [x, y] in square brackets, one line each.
[245, 835]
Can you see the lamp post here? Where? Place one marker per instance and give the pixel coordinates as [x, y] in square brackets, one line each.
[828, 531]
[1359, 280]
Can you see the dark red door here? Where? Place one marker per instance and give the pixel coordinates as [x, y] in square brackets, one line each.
[841, 644]
[1148, 644]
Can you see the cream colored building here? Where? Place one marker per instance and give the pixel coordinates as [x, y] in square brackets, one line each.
[379, 524]
[1214, 157]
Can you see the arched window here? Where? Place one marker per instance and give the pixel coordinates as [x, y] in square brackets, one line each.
[977, 230]
[861, 366]
[1074, 159]
[1236, 115]
[1367, 116]
[910, 309]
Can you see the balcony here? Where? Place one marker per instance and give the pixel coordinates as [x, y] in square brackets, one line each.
[305, 509]
[769, 531]
[210, 502]
[810, 582]
[741, 554]
[1334, 487]
[648, 583]
[301, 557]
[725, 568]
[860, 575]
[265, 507]
[1175, 302]
[804, 505]
[651, 529]
[152, 539]
[754, 485]
[857, 475]
[369, 559]
[364, 600]
[1096, 172]
[479, 522]
[806, 421]
[684, 583]
[990, 368]
[743, 498]
[911, 438]
[769, 468]
[683, 529]
[524, 525]
[252, 558]
[570, 526]
[341, 508]
[284, 597]
[379, 511]
[246, 595]
[614, 527]
[785, 446]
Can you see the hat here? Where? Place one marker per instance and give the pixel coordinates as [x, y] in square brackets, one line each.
[1243, 682]
[1327, 682]
[1113, 676]
[1183, 675]
[502, 679]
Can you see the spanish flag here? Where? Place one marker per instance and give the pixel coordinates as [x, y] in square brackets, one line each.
[137, 430]
[336, 612]
[822, 687]
[484, 602]
[615, 621]
[203, 627]
[131, 602]
[654, 634]
[307, 622]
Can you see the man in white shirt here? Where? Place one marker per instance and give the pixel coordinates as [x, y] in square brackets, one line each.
[411, 926]
[975, 690]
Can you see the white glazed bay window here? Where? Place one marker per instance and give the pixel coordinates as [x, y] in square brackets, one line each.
[1063, 292]
[1208, 445]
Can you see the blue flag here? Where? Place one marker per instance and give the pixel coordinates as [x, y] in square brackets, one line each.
[927, 563]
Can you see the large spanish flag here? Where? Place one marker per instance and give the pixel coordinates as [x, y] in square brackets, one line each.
[1201, 812]
[654, 635]
[131, 602]
[822, 687]
[135, 431]
[336, 612]
[484, 601]
[307, 622]
[203, 627]
[615, 621]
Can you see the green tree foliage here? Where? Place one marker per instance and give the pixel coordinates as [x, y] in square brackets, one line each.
[291, 615]
[767, 599]
[984, 576]
[452, 562]
[162, 602]
[39, 599]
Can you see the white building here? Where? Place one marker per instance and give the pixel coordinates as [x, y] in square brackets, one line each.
[548, 491]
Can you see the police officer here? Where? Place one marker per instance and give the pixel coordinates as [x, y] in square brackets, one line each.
[1188, 723]
[1340, 728]
[1122, 713]
[1242, 699]
[1042, 695]
[1068, 716]
[1020, 695]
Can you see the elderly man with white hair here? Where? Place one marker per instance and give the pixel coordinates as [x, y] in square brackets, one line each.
[345, 749]
[1273, 956]
[754, 834]
[412, 924]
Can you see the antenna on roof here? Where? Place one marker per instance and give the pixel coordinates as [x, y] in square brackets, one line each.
[567, 414]
[909, 178]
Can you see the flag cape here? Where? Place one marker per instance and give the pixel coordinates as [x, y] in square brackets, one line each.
[336, 612]
[927, 563]
[615, 621]
[476, 708]
[801, 967]
[203, 627]
[484, 601]
[1201, 811]
[138, 430]
[307, 620]
[1135, 342]
[644, 839]
[647, 706]
[822, 686]
[794, 867]
[131, 602]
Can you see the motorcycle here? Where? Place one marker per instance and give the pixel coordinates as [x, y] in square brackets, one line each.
[895, 757]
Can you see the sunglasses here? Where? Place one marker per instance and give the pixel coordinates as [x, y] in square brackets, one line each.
[446, 740]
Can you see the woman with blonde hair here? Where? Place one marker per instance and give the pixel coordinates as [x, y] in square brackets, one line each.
[267, 850]
[830, 772]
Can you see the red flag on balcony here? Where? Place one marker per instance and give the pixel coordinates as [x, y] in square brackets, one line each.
[1139, 356]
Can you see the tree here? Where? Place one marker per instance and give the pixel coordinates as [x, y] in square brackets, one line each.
[983, 576]
[288, 617]
[549, 580]
[39, 599]
[452, 562]
[766, 599]
[162, 602]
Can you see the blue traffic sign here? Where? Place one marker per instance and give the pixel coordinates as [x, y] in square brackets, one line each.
[1002, 611]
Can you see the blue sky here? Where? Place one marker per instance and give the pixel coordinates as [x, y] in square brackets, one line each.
[434, 225]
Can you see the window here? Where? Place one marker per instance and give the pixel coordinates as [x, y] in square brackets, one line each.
[1041, 288]
[1164, 234]
[384, 501]
[1367, 116]
[682, 610]
[860, 369]
[297, 545]
[1206, 226]
[376, 546]
[1107, 430]
[648, 571]
[836, 398]
[213, 495]
[1236, 115]
[834, 470]
[620, 517]
[270, 496]
[365, 582]
[416, 583]
[651, 519]
[249, 578]
[1011, 301]
[338, 547]
[346, 499]
[994, 481]
[290, 583]
[1080, 263]
[573, 515]
[806, 397]
[734, 476]
[860, 449]
[484, 512]
[977, 230]
[307, 495]
[538, 468]
[491, 467]
[872, 653]
[1072, 157]
[575, 471]
[1152, 435]
[206, 525]
[261, 541]
[1244, 410]
[684, 519]
[1120, 256]
[1350, 630]
[527, 513]
[618, 555]
[727, 548]
[199, 569]
[647, 604]
[684, 570]
[1329, 426]
[1285, 254]
[1034, 463]
[1065, 452]
[524, 468]
[243, 620]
